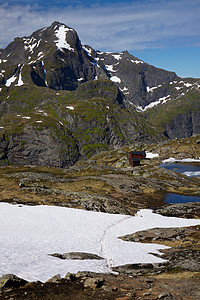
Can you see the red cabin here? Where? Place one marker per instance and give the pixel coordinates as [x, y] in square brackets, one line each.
[135, 157]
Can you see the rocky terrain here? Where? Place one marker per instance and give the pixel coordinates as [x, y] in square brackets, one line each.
[69, 115]
[105, 286]
[106, 183]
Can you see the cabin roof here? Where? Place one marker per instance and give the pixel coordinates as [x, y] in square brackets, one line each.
[138, 152]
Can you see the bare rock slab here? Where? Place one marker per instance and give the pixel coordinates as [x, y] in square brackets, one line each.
[76, 255]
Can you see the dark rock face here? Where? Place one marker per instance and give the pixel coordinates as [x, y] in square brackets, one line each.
[134, 77]
[39, 148]
[184, 125]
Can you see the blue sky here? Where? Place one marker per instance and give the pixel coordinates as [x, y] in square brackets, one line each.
[164, 33]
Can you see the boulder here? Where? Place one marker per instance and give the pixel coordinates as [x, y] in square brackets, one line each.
[11, 281]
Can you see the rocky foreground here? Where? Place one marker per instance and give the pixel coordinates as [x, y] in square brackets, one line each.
[104, 286]
[106, 183]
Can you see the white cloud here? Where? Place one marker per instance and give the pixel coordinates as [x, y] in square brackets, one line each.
[125, 26]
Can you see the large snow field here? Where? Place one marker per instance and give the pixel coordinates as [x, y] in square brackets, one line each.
[29, 233]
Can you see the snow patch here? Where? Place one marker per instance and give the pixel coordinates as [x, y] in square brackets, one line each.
[187, 160]
[29, 233]
[70, 107]
[117, 56]
[30, 44]
[192, 174]
[150, 90]
[110, 68]
[151, 155]
[3, 60]
[39, 121]
[115, 79]
[88, 50]
[1, 73]
[187, 84]
[61, 36]
[125, 89]
[137, 61]
[20, 81]
[10, 80]
[32, 62]
[46, 84]
[152, 104]
[40, 55]
[28, 118]
[80, 79]
[100, 53]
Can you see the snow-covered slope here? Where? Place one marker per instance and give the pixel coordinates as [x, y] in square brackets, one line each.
[29, 233]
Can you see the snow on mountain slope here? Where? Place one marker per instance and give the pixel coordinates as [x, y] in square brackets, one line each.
[61, 36]
[68, 64]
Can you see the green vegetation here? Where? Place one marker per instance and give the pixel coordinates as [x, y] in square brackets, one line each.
[165, 114]
[90, 149]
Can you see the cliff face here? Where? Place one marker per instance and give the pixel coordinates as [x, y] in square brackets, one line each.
[38, 147]
[43, 127]
[184, 125]
[61, 101]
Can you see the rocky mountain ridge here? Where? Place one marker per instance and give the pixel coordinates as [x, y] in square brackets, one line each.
[54, 57]
[61, 101]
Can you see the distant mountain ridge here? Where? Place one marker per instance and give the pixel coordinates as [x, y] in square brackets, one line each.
[81, 101]
[54, 57]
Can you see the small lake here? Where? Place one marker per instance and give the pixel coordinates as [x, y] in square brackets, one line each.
[175, 198]
[189, 169]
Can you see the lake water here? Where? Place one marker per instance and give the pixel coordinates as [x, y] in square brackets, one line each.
[175, 198]
[189, 169]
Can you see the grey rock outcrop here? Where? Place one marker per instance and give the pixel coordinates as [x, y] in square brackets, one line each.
[11, 281]
[183, 210]
[183, 125]
[76, 255]
[38, 147]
